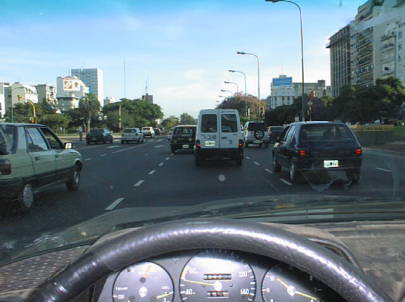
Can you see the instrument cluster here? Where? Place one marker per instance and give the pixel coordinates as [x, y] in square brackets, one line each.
[213, 276]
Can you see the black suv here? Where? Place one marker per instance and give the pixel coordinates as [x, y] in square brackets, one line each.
[99, 135]
[318, 147]
[183, 138]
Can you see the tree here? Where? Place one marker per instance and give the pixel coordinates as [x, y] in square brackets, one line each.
[245, 104]
[55, 121]
[187, 119]
[170, 122]
[89, 107]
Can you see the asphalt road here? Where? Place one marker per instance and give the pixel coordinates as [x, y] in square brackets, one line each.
[148, 175]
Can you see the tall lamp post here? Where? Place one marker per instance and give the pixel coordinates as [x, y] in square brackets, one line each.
[258, 69]
[244, 77]
[233, 83]
[302, 52]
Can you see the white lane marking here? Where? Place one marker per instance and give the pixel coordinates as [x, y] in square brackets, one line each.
[112, 147]
[152, 172]
[384, 170]
[269, 171]
[167, 158]
[87, 159]
[221, 177]
[256, 163]
[126, 149]
[104, 154]
[159, 140]
[286, 182]
[247, 157]
[114, 204]
[161, 164]
[159, 146]
[139, 183]
[171, 154]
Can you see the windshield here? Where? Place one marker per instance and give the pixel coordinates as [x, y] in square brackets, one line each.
[116, 112]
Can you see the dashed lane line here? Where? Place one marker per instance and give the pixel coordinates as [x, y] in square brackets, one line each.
[161, 164]
[167, 158]
[256, 163]
[152, 172]
[268, 171]
[221, 177]
[126, 149]
[138, 184]
[384, 170]
[247, 157]
[114, 204]
[103, 155]
[87, 159]
[286, 182]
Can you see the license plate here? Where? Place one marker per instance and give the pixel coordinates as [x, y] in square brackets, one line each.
[330, 163]
[209, 143]
[186, 146]
[258, 142]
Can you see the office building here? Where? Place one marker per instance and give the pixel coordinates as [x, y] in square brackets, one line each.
[46, 93]
[339, 45]
[69, 92]
[92, 78]
[148, 98]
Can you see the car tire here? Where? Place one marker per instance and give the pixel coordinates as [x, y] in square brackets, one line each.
[293, 173]
[276, 165]
[73, 183]
[25, 198]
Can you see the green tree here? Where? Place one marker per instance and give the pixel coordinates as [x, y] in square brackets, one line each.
[245, 104]
[187, 119]
[55, 121]
[170, 122]
[89, 108]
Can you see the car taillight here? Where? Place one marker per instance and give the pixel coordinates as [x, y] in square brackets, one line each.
[198, 144]
[302, 153]
[5, 167]
[358, 151]
[241, 143]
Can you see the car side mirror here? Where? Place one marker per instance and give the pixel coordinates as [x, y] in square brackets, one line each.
[67, 145]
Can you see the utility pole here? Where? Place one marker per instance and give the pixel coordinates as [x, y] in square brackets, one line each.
[119, 118]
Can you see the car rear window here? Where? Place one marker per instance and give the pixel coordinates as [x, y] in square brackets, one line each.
[256, 126]
[130, 131]
[325, 132]
[229, 123]
[8, 138]
[188, 131]
[96, 131]
[209, 123]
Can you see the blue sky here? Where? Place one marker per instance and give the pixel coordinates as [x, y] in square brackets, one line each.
[183, 48]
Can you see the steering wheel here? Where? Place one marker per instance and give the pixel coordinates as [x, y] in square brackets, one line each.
[135, 245]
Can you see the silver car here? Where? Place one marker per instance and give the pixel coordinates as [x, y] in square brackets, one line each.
[132, 135]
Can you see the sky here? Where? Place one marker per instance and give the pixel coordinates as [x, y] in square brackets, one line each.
[184, 49]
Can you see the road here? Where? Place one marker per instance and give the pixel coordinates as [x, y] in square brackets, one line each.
[134, 175]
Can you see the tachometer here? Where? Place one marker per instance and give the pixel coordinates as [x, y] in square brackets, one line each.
[283, 285]
[144, 282]
[217, 276]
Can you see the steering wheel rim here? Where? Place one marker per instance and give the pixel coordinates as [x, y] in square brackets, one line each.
[135, 245]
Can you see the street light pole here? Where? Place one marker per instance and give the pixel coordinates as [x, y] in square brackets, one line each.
[244, 76]
[233, 83]
[302, 52]
[258, 69]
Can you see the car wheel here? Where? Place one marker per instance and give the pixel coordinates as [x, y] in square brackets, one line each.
[25, 198]
[353, 177]
[276, 165]
[293, 173]
[74, 182]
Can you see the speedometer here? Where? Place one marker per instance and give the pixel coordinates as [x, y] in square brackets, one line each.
[217, 276]
[144, 282]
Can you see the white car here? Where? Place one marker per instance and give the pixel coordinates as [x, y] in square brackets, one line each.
[255, 133]
[148, 131]
[219, 136]
[132, 135]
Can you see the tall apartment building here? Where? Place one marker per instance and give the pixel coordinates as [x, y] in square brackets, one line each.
[339, 45]
[46, 93]
[92, 78]
[21, 93]
[69, 92]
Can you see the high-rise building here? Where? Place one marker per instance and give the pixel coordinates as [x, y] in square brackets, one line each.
[339, 45]
[94, 79]
[69, 92]
[46, 93]
[148, 98]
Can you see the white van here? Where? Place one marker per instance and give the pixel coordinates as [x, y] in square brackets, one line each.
[218, 136]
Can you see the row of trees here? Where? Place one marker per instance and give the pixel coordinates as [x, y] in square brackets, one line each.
[173, 121]
[126, 113]
[355, 104]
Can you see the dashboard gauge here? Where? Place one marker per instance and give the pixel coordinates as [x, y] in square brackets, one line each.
[144, 282]
[284, 285]
[217, 276]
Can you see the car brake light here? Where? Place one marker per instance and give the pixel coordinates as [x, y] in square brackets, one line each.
[302, 153]
[5, 167]
[358, 151]
[198, 144]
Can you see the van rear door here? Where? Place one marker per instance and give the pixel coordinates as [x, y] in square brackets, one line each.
[230, 132]
[210, 130]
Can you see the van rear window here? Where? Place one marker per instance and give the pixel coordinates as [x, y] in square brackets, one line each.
[8, 138]
[209, 123]
[229, 123]
[257, 126]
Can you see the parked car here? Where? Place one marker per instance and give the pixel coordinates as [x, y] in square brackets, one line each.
[148, 131]
[157, 131]
[31, 158]
[274, 133]
[318, 147]
[183, 138]
[255, 133]
[218, 136]
[132, 135]
[97, 135]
